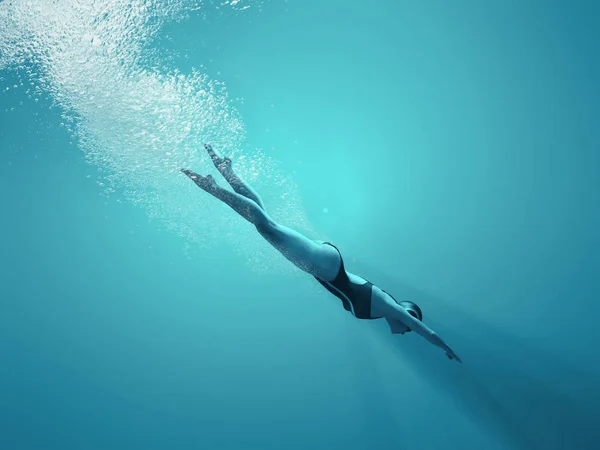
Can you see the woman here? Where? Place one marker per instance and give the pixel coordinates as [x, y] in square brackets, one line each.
[320, 259]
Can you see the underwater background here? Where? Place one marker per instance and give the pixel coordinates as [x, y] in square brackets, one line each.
[449, 149]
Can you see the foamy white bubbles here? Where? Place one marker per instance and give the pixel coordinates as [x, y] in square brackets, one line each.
[135, 120]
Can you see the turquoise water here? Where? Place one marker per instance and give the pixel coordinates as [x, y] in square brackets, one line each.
[450, 151]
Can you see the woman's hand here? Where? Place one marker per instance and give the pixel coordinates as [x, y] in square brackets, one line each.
[451, 355]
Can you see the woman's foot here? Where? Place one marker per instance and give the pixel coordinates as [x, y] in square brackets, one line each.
[222, 164]
[207, 182]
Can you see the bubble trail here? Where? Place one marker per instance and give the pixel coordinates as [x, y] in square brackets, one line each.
[136, 119]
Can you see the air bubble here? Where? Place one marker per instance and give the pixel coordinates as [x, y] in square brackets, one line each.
[90, 58]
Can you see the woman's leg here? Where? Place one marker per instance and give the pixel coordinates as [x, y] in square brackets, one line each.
[223, 165]
[319, 260]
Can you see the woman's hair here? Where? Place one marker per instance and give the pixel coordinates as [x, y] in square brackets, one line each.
[413, 309]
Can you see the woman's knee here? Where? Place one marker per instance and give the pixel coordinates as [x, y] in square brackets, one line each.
[267, 228]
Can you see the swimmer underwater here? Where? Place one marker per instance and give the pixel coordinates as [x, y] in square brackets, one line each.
[320, 259]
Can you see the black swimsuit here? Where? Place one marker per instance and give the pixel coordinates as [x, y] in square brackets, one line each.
[356, 298]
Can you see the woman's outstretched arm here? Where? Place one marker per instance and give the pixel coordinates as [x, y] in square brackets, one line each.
[387, 307]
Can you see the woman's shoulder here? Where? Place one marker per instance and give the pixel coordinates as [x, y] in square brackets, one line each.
[383, 292]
